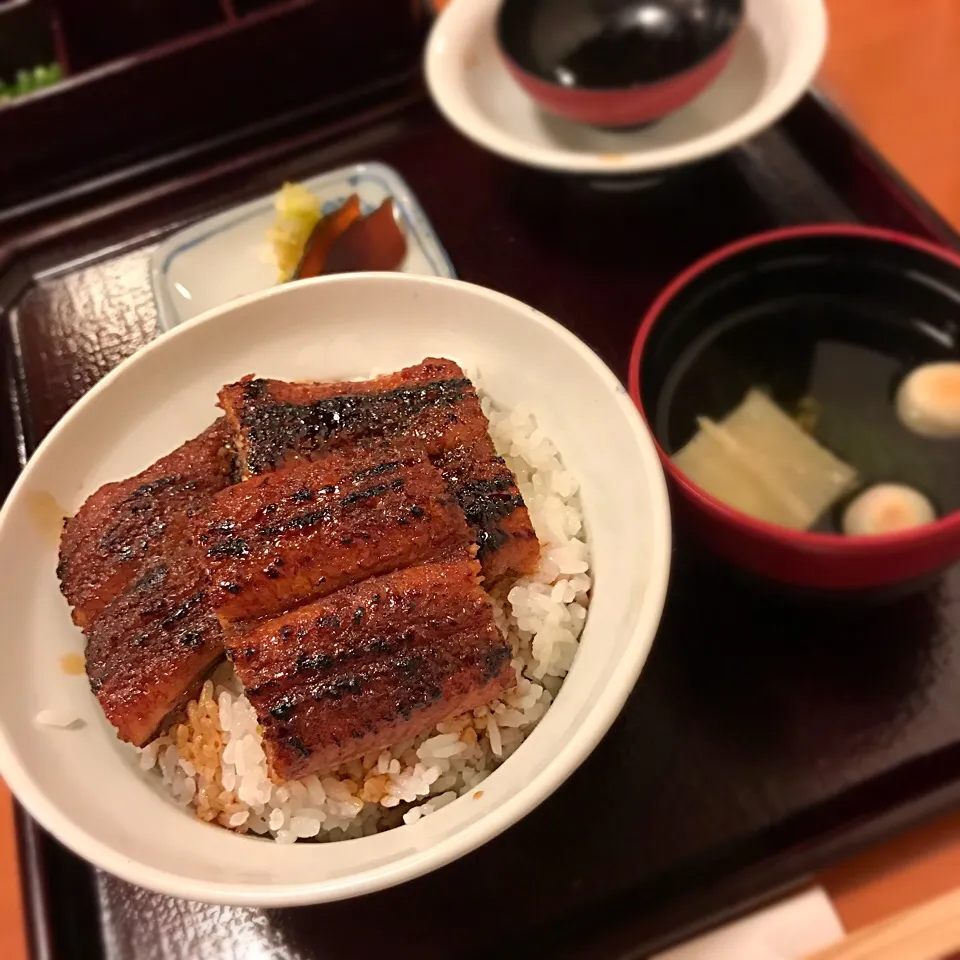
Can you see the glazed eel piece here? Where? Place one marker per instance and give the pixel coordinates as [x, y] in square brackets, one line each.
[135, 585]
[432, 404]
[373, 664]
[155, 643]
[107, 543]
[285, 538]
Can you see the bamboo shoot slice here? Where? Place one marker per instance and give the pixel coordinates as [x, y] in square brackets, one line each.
[715, 462]
[757, 460]
[792, 458]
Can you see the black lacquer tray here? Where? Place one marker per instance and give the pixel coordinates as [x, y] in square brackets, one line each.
[764, 738]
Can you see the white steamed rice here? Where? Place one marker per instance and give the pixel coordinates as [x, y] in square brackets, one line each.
[214, 763]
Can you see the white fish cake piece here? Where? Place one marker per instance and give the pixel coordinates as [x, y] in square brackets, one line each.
[887, 508]
[928, 400]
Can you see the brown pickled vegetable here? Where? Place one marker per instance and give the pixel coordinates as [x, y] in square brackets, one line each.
[374, 242]
[325, 234]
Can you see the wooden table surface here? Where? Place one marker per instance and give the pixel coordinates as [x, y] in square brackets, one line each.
[894, 67]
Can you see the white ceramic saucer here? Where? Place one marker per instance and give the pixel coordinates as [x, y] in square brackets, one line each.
[222, 257]
[777, 55]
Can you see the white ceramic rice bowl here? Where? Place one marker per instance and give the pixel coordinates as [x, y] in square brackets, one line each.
[84, 786]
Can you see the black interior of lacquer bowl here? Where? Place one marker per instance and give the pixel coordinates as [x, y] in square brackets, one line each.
[836, 320]
[607, 44]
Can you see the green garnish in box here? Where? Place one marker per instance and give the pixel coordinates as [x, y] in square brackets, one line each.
[27, 81]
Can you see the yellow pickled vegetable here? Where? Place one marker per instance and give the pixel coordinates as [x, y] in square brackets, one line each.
[298, 212]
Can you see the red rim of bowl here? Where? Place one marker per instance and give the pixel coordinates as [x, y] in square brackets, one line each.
[634, 87]
[826, 542]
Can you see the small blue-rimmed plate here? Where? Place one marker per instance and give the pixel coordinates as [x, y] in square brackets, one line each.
[227, 255]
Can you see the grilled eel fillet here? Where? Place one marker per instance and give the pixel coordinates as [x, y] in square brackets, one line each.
[134, 582]
[286, 538]
[150, 650]
[486, 491]
[113, 536]
[371, 665]
[432, 404]
[276, 422]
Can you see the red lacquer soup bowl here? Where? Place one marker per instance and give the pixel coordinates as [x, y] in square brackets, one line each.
[616, 63]
[829, 318]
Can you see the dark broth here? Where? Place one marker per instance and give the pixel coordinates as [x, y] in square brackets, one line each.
[848, 364]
